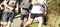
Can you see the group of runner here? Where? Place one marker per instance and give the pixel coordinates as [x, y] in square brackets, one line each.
[37, 10]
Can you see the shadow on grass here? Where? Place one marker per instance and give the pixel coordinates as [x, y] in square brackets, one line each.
[59, 25]
[45, 19]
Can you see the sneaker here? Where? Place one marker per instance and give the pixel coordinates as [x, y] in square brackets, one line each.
[22, 25]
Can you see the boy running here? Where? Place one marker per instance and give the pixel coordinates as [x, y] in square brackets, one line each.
[24, 12]
[8, 13]
[37, 11]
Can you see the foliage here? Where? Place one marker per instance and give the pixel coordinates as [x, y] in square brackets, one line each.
[53, 12]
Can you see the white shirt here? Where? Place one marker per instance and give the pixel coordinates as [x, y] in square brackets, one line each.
[37, 9]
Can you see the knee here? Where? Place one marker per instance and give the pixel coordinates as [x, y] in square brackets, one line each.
[30, 21]
[21, 21]
[4, 23]
[25, 19]
[40, 19]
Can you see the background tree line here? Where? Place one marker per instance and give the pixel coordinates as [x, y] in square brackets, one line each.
[54, 13]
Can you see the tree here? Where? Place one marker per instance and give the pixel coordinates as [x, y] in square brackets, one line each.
[53, 12]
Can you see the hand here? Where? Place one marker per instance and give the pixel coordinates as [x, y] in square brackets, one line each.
[11, 8]
[21, 6]
[1, 7]
[29, 10]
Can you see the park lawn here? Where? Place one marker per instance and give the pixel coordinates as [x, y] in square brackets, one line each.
[36, 25]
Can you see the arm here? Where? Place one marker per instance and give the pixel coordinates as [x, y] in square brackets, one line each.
[1, 5]
[35, 2]
[6, 5]
[21, 5]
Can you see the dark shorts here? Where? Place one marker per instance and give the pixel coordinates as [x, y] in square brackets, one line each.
[35, 15]
[7, 16]
[24, 16]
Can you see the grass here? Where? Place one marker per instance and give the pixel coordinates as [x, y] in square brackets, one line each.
[36, 25]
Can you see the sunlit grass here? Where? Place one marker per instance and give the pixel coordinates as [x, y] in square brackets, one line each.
[36, 25]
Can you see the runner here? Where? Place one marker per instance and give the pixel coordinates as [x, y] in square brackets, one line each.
[37, 11]
[24, 12]
[8, 13]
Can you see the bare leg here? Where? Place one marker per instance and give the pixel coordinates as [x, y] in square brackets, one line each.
[40, 19]
[21, 22]
[3, 24]
[28, 22]
[25, 20]
[9, 24]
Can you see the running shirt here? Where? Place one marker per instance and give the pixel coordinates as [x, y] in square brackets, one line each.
[26, 7]
[37, 8]
[26, 4]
